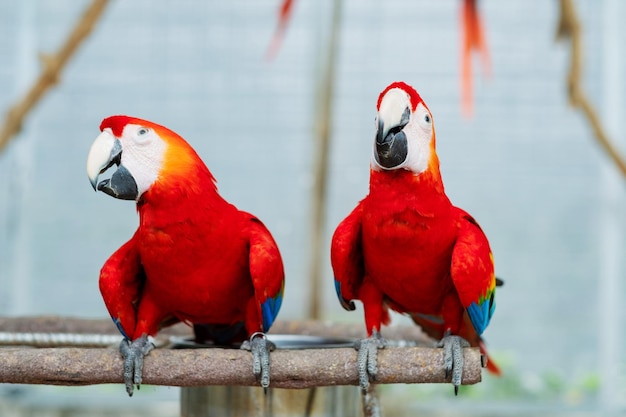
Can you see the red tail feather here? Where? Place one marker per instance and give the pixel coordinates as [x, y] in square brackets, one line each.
[491, 365]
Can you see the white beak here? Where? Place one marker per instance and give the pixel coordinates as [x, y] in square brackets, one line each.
[102, 155]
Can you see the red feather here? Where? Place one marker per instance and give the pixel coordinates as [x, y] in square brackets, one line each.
[415, 97]
[395, 250]
[406, 247]
[194, 257]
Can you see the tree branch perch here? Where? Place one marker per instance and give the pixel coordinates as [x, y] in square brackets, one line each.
[301, 368]
[304, 368]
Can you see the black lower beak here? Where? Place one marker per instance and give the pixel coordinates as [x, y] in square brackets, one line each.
[392, 150]
[121, 185]
[392, 147]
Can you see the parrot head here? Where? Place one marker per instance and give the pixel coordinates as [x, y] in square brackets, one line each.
[142, 151]
[405, 136]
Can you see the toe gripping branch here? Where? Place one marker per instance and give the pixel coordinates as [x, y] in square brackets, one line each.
[133, 353]
[260, 347]
[367, 359]
[453, 358]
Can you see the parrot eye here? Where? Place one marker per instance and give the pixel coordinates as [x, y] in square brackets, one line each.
[142, 135]
[424, 119]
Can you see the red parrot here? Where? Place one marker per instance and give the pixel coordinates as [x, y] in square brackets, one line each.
[194, 258]
[406, 247]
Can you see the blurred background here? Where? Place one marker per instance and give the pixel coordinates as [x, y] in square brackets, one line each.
[525, 164]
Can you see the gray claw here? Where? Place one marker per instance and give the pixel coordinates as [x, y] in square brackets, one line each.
[133, 354]
[367, 358]
[260, 347]
[453, 358]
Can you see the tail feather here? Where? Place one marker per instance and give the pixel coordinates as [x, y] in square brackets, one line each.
[490, 365]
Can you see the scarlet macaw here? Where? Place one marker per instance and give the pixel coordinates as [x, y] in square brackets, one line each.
[406, 247]
[194, 258]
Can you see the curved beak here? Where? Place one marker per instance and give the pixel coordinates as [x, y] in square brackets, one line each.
[105, 152]
[391, 142]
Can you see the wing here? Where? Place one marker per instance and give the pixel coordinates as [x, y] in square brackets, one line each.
[472, 272]
[267, 272]
[346, 257]
[121, 281]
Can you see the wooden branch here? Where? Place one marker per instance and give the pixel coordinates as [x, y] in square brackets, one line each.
[213, 366]
[569, 28]
[52, 66]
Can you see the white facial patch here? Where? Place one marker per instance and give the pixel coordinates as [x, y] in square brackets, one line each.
[143, 152]
[419, 133]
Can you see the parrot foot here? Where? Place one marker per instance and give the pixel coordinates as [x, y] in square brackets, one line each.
[367, 359]
[133, 354]
[260, 347]
[453, 358]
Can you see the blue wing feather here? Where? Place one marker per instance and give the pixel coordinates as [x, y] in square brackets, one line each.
[346, 304]
[480, 313]
[270, 308]
[118, 323]
[266, 271]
